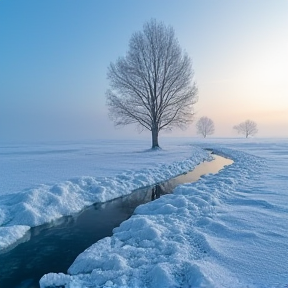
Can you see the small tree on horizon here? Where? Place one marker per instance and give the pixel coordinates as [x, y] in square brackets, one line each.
[205, 126]
[152, 85]
[247, 128]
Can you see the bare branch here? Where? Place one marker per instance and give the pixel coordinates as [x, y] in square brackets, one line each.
[205, 126]
[152, 85]
[247, 128]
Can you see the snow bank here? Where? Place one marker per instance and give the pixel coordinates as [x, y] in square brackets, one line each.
[9, 235]
[46, 203]
[211, 233]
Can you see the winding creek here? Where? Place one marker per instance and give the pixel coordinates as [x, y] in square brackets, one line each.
[53, 247]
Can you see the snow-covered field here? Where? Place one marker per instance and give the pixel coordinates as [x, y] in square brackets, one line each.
[43, 182]
[226, 230]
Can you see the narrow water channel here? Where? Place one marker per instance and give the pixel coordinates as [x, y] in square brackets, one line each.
[53, 247]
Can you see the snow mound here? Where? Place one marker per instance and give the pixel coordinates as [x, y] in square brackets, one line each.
[33, 207]
[211, 233]
[9, 235]
[171, 241]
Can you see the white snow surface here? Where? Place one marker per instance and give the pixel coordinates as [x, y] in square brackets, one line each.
[227, 230]
[121, 170]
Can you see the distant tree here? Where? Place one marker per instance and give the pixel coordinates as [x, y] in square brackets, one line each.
[151, 86]
[205, 126]
[247, 128]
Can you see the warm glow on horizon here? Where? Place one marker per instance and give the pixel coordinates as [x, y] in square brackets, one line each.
[55, 80]
[256, 88]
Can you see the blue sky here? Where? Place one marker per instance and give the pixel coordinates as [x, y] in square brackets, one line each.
[54, 56]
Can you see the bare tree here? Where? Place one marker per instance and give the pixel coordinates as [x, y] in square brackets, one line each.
[205, 126]
[247, 128]
[151, 86]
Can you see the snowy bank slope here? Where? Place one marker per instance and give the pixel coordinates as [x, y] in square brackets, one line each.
[226, 230]
[45, 203]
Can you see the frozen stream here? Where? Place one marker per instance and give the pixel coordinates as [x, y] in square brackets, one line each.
[53, 247]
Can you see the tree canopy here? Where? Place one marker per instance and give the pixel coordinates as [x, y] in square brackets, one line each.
[247, 128]
[205, 126]
[152, 85]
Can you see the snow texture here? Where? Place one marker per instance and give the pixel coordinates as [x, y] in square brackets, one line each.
[45, 203]
[227, 230]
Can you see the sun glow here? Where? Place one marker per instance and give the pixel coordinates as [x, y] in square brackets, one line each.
[269, 67]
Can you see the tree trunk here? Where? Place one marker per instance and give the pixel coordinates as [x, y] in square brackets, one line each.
[155, 133]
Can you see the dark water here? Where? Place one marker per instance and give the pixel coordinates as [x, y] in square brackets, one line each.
[53, 247]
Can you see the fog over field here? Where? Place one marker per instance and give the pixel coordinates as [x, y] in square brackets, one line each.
[54, 57]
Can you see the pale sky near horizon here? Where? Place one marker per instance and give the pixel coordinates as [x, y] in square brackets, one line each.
[54, 56]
